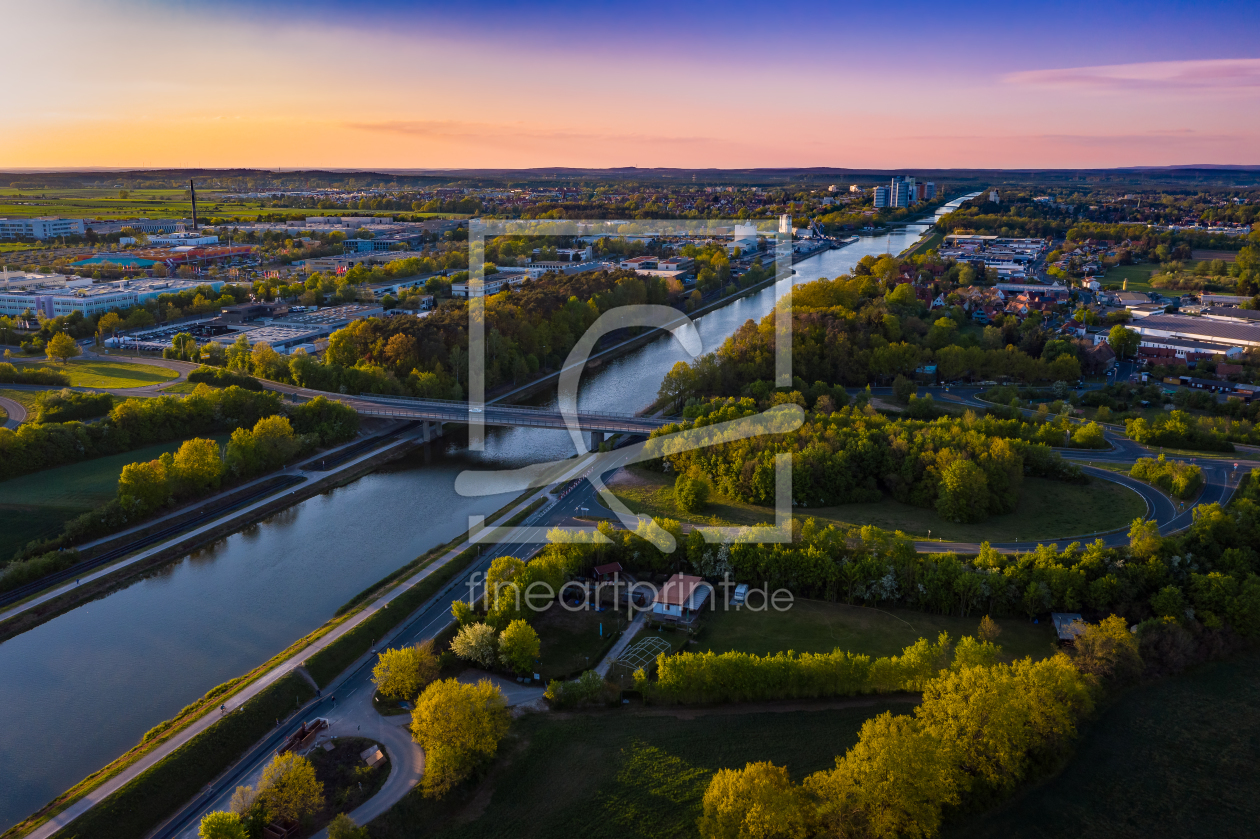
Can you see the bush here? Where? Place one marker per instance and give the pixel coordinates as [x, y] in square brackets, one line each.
[1175, 477]
[219, 377]
[17, 574]
[65, 405]
[587, 689]
[13, 375]
[690, 494]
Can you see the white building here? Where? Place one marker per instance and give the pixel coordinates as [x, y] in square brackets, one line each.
[93, 298]
[182, 239]
[1236, 334]
[46, 227]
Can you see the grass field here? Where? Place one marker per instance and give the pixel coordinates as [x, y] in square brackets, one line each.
[1047, 510]
[110, 374]
[571, 641]
[37, 506]
[622, 774]
[1175, 759]
[1139, 276]
[813, 626]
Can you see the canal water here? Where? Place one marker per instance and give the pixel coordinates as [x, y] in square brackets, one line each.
[81, 689]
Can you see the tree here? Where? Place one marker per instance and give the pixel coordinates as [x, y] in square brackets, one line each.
[198, 466]
[343, 827]
[757, 801]
[476, 642]
[145, 486]
[463, 612]
[989, 629]
[1168, 602]
[894, 782]
[963, 495]
[1108, 649]
[401, 673]
[519, 646]
[288, 789]
[62, 347]
[459, 726]
[690, 494]
[1144, 538]
[221, 825]
[108, 324]
[903, 389]
[1123, 341]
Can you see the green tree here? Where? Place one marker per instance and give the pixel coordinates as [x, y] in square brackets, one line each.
[476, 642]
[343, 827]
[519, 646]
[62, 347]
[402, 672]
[221, 825]
[1169, 602]
[198, 466]
[459, 726]
[289, 790]
[1123, 341]
[463, 613]
[690, 494]
[903, 389]
[963, 494]
[756, 802]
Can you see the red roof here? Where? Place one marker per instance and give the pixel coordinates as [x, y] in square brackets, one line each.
[610, 568]
[678, 589]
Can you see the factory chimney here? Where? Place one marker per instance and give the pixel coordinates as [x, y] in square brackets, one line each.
[192, 189]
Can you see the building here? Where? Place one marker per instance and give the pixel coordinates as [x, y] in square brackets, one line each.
[1181, 350]
[95, 298]
[182, 239]
[490, 285]
[1067, 625]
[45, 227]
[881, 197]
[681, 598]
[901, 191]
[1233, 333]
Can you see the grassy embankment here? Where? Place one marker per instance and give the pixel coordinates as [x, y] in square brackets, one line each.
[144, 802]
[1138, 276]
[623, 774]
[1047, 510]
[38, 505]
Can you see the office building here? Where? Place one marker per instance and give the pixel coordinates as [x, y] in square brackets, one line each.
[881, 197]
[48, 227]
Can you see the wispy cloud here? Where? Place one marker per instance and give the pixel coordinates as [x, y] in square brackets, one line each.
[498, 134]
[1222, 74]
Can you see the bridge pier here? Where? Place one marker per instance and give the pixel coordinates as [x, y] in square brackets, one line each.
[597, 440]
[430, 431]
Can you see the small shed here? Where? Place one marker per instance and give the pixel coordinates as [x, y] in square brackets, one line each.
[607, 573]
[1067, 625]
[372, 755]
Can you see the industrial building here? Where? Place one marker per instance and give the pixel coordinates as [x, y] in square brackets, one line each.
[1231, 333]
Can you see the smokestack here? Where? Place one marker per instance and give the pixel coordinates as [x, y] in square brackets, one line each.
[192, 189]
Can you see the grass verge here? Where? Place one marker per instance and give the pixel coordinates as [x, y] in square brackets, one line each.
[110, 374]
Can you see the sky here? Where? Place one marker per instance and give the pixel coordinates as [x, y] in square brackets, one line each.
[359, 84]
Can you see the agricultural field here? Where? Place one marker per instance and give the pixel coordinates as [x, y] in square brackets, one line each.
[625, 774]
[110, 374]
[36, 506]
[108, 204]
[1174, 759]
[1047, 510]
[814, 626]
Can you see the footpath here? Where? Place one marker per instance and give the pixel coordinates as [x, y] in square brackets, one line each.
[281, 669]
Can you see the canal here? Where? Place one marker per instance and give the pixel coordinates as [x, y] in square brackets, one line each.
[84, 687]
